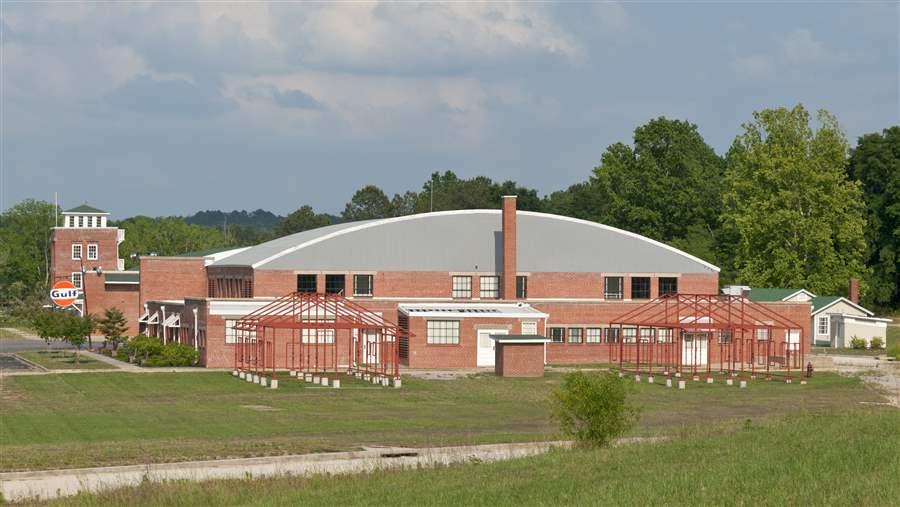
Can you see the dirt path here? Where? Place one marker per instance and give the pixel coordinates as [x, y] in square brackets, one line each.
[879, 372]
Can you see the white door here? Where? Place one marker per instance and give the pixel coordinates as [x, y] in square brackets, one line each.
[793, 340]
[486, 346]
[371, 346]
[694, 349]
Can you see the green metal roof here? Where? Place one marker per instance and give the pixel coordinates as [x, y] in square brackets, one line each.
[820, 302]
[122, 277]
[771, 294]
[84, 208]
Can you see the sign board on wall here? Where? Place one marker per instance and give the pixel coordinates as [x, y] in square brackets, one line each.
[63, 294]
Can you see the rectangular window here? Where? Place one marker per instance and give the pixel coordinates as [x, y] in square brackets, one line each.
[724, 336]
[70, 221]
[668, 286]
[490, 287]
[664, 335]
[363, 285]
[233, 336]
[593, 335]
[575, 334]
[557, 334]
[443, 332]
[646, 334]
[640, 287]
[529, 327]
[334, 284]
[613, 287]
[612, 335]
[307, 284]
[80, 221]
[76, 252]
[823, 325]
[629, 335]
[521, 287]
[462, 287]
[76, 280]
[93, 252]
[762, 334]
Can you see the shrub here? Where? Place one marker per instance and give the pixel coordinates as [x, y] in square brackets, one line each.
[141, 348]
[174, 354]
[593, 408]
[857, 342]
[122, 355]
[877, 342]
[894, 351]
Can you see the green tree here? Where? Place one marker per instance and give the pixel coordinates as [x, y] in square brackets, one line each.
[302, 219]
[593, 408]
[25, 256]
[404, 204]
[369, 202]
[798, 219]
[166, 236]
[875, 163]
[50, 324]
[113, 326]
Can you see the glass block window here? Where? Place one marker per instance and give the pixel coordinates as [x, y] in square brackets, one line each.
[335, 284]
[443, 332]
[307, 284]
[576, 335]
[613, 287]
[557, 334]
[490, 287]
[668, 286]
[363, 285]
[593, 335]
[462, 287]
[640, 287]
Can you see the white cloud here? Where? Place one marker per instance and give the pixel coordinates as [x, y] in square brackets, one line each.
[801, 47]
[753, 66]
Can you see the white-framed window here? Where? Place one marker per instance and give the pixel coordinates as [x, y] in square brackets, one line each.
[646, 334]
[77, 280]
[442, 332]
[93, 252]
[575, 335]
[724, 336]
[90, 221]
[80, 221]
[762, 334]
[529, 327]
[629, 335]
[232, 335]
[593, 335]
[76, 251]
[557, 334]
[490, 287]
[823, 325]
[613, 287]
[317, 335]
[462, 287]
[611, 334]
[363, 285]
[70, 221]
[664, 335]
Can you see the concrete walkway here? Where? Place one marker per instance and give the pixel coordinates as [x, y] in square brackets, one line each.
[18, 486]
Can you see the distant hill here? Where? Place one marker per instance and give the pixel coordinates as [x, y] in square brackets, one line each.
[259, 219]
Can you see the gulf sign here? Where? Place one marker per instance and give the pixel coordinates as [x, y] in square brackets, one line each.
[64, 294]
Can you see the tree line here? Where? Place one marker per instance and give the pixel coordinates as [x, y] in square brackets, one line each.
[790, 204]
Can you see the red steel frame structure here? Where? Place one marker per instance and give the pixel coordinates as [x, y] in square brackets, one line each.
[674, 334]
[311, 327]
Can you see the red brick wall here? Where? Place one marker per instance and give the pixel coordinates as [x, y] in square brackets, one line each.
[100, 296]
[61, 263]
[172, 278]
[508, 280]
[519, 359]
[273, 283]
[462, 355]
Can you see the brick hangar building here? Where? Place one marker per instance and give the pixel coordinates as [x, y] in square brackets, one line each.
[452, 279]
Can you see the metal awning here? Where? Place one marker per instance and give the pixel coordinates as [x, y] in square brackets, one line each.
[145, 316]
[173, 320]
[153, 319]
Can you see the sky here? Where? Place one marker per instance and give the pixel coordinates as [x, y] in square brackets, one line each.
[167, 108]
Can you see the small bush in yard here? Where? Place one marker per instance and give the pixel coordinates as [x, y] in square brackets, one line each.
[877, 342]
[857, 343]
[174, 354]
[593, 408]
[894, 351]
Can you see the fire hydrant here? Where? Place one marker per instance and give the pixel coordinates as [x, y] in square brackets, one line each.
[809, 369]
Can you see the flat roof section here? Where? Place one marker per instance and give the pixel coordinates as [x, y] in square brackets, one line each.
[472, 310]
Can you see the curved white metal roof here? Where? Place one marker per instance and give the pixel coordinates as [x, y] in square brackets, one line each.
[468, 240]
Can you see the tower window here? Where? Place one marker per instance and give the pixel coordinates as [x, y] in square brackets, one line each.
[76, 252]
[93, 252]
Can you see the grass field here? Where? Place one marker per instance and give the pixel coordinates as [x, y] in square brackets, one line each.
[12, 333]
[63, 360]
[847, 459]
[93, 419]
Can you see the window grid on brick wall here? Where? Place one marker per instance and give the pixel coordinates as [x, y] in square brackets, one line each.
[640, 287]
[668, 286]
[363, 285]
[725, 336]
[613, 287]
[629, 335]
[76, 252]
[442, 332]
[593, 335]
[335, 284]
[232, 335]
[462, 287]
[664, 335]
[307, 284]
[823, 325]
[490, 287]
[93, 252]
[557, 334]
[646, 334]
[522, 287]
[611, 335]
[575, 334]
[77, 280]
[529, 327]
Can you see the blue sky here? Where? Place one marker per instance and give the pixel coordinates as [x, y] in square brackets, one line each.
[169, 108]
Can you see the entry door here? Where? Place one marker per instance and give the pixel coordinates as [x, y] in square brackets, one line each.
[694, 348]
[486, 346]
[371, 346]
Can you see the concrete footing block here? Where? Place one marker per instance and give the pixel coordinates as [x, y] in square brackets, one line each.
[234, 373]
[743, 384]
[255, 378]
[385, 381]
[709, 380]
[788, 381]
[397, 383]
[621, 374]
[292, 373]
[274, 383]
[729, 382]
[637, 378]
[367, 377]
[668, 382]
[696, 378]
[242, 375]
[324, 381]
[308, 377]
[682, 384]
[650, 379]
[315, 379]
[336, 384]
[248, 377]
[263, 381]
[677, 374]
[802, 382]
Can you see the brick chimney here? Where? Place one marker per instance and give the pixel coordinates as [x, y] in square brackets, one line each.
[854, 290]
[509, 247]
